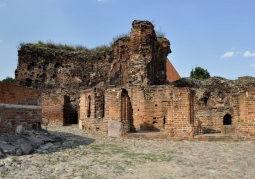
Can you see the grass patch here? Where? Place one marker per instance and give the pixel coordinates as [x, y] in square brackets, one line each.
[209, 168]
[56, 160]
[15, 159]
[113, 148]
[90, 175]
[180, 162]
[71, 48]
[49, 45]
[124, 36]
[37, 165]
[125, 154]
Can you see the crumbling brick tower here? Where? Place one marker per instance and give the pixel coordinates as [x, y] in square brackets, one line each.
[62, 73]
[147, 64]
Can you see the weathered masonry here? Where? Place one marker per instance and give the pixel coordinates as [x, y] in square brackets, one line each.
[19, 106]
[177, 112]
[125, 91]
[61, 74]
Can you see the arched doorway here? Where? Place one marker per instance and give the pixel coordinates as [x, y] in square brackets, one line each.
[126, 112]
[227, 120]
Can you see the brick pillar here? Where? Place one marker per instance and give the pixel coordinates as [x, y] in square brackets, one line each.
[142, 40]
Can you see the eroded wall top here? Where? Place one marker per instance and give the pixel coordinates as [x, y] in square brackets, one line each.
[138, 59]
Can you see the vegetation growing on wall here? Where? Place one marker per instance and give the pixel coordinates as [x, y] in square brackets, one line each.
[80, 48]
[65, 47]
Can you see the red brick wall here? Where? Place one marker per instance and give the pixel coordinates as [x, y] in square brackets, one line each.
[19, 106]
[92, 111]
[154, 108]
[179, 125]
[55, 110]
[247, 115]
[178, 112]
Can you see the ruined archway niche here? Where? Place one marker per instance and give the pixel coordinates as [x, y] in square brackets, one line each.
[28, 82]
[99, 103]
[126, 112]
[88, 105]
[227, 120]
[124, 105]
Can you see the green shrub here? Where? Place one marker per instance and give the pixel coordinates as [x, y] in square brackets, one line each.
[8, 79]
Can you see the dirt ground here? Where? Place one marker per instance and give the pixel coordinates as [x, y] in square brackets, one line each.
[84, 155]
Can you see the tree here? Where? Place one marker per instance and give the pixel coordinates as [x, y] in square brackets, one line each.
[8, 80]
[199, 73]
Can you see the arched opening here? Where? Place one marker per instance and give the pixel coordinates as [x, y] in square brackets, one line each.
[88, 106]
[73, 117]
[99, 103]
[28, 82]
[227, 120]
[126, 112]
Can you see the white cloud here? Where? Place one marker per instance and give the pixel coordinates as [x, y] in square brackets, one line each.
[230, 54]
[248, 54]
[2, 4]
[253, 65]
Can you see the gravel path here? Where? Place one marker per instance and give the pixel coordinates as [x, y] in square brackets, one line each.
[88, 156]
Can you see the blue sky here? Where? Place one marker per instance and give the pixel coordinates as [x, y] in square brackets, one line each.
[217, 35]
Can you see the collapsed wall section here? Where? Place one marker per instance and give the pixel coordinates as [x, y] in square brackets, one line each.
[147, 65]
[19, 106]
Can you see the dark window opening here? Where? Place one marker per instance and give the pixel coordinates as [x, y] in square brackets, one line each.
[28, 82]
[31, 66]
[227, 120]
[127, 111]
[57, 66]
[74, 117]
[89, 107]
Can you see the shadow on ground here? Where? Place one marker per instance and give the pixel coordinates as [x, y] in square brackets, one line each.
[43, 141]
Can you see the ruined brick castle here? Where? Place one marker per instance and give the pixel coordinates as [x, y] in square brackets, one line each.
[126, 90]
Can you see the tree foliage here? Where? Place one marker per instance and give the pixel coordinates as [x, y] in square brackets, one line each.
[8, 80]
[199, 73]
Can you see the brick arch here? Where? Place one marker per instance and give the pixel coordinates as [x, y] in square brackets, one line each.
[126, 112]
[227, 119]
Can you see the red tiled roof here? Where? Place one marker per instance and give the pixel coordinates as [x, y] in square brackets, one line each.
[171, 73]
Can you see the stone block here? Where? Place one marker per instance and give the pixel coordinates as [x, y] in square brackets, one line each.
[114, 128]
